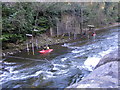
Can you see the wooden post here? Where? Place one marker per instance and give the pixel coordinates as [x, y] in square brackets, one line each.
[57, 29]
[36, 43]
[33, 48]
[28, 48]
[69, 35]
[51, 31]
[74, 28]
[29, 35]
[32, 44]
[81, 27]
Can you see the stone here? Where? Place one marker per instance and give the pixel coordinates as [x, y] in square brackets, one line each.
[113, 56]
[105, 76]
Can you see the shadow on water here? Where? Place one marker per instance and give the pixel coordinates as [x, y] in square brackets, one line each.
[24, 55]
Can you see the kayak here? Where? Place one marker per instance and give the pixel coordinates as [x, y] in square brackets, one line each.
[45, 51]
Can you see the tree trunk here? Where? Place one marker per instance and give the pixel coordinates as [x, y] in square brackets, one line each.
[36, 19]
[81, 23]
[57, 30]
[51, 31]
[74, 36]
[69, 35]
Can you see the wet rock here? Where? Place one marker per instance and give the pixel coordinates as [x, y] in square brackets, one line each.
[113, 56]
[105, 76]
[52, 70]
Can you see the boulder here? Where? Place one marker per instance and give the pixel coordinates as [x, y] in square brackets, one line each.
[112, 56]
[105, 76]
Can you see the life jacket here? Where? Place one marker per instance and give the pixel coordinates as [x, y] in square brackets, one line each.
[94, 34]
[47, 48]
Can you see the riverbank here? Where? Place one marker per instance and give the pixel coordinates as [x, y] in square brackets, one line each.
[42, 39]
[105, 75]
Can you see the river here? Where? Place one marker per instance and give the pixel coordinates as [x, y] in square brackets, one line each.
[67, 64]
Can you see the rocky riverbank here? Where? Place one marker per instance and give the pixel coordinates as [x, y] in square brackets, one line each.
[105, 74]
[42, 39]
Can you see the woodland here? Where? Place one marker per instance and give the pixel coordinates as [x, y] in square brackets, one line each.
[55, 18]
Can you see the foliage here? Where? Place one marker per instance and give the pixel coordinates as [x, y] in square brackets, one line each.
[21, 18]
[11, 37]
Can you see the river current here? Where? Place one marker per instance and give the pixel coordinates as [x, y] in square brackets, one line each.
[67, 64]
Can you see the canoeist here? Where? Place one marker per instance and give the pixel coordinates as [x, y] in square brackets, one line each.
[94, 34]
[46, 47]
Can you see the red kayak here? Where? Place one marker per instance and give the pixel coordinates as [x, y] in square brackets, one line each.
[45, 51]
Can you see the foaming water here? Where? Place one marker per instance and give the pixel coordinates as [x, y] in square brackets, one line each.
[67, 64]
[96, 50]
[91, 62]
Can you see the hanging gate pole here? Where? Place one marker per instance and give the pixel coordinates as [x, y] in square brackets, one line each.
[28, 48]
[32, 44]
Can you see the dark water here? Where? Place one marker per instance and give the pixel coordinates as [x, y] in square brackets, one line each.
[67, 64]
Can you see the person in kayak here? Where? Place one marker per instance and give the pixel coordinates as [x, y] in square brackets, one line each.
[94, 34]
[46, 47]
